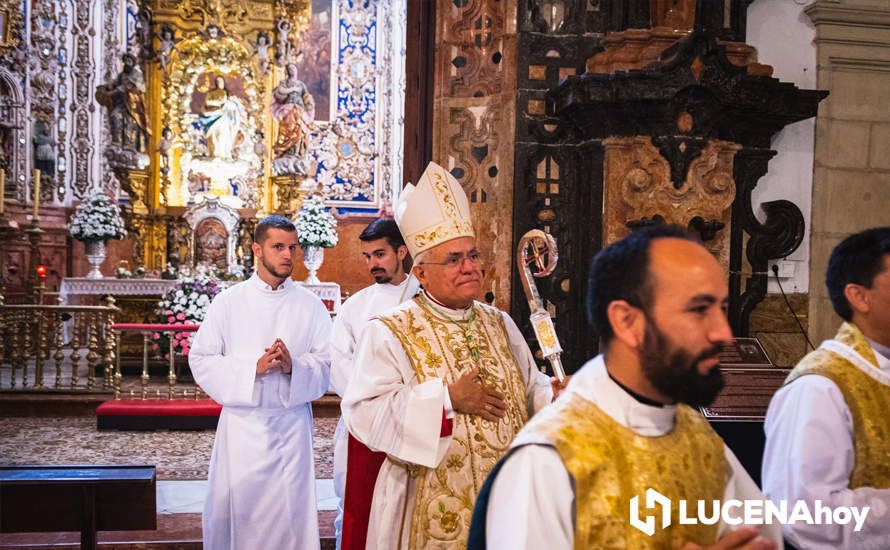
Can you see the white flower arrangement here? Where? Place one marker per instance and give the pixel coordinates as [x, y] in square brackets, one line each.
[316, 226]
[97, 219]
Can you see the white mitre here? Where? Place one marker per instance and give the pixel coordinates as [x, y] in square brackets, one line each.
[434, 211]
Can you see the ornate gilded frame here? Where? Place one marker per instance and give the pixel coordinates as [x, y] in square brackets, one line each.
[10, 25]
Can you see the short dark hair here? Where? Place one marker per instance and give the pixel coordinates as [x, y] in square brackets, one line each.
[621, 272]
[271, 222]
[858, 259]
[383, 228]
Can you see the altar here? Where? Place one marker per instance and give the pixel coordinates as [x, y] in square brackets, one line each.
[73, 289]
[76, 290]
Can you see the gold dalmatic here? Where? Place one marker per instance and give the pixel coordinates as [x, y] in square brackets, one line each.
[868, 401]
[610, 464]
[441, 348]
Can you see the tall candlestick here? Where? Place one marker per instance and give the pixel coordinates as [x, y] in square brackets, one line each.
[36, 192]
[2, 188]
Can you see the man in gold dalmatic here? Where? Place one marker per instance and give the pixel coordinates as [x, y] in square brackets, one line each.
[626, 423]
[827, 428]
[442, 383]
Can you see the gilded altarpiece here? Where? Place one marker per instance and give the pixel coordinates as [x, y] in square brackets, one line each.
[255, 103]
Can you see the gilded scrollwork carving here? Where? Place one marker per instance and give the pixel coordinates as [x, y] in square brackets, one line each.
[13, 26]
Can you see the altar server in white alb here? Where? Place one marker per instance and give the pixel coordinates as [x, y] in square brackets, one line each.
[262, 352]
[442, 382]
[385, 255]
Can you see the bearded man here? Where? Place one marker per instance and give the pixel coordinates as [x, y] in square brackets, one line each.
[385, 254]
[626, 423]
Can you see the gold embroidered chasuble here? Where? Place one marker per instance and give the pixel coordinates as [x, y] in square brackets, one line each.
[438, 348]
[610, 463]
[867, 399]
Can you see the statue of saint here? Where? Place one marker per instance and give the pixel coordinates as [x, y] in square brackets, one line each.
[167, 41]
[294, 109]
[222, 122]
[44, 148]
[261, 48]
[125, 99]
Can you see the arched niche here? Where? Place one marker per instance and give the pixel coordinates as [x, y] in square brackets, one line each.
[12, 134]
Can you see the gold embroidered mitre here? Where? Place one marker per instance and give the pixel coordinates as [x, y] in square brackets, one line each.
[434, 211]
[868, 401]
[610, 464]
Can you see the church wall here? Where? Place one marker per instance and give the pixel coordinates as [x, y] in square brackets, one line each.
[783, 36]
[55, 67]
[474, 122]
[851, 181]
[343, 263]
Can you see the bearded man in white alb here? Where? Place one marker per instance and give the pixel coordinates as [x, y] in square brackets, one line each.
[385, 255]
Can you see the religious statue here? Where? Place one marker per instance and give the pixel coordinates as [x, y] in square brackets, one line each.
[222, 121]
[124, 97]
[294, 109]
[261, 47]
[44, 148]
[259, 143]
[167, 40]
[284, 45]
[140, 41]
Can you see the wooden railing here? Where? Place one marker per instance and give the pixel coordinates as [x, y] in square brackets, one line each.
[57, 348]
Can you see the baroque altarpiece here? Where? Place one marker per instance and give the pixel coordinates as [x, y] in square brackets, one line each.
[200, 116]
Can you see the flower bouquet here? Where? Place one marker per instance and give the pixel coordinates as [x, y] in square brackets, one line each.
[316, 230]
[96, 220]
[186, 302]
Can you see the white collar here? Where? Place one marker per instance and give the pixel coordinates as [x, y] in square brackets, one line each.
[882, 354]
[593, 383]
[452, 314]
[266, 287]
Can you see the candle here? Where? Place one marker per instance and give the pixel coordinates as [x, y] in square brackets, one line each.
[2, 188]
[36, 192]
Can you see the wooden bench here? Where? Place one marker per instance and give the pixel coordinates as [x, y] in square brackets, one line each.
[77, 498]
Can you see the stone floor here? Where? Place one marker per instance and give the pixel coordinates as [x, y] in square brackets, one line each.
[178, 455]
[181, 459]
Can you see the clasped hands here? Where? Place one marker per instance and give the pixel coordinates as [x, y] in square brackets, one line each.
[276, 356]
[469, 395]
